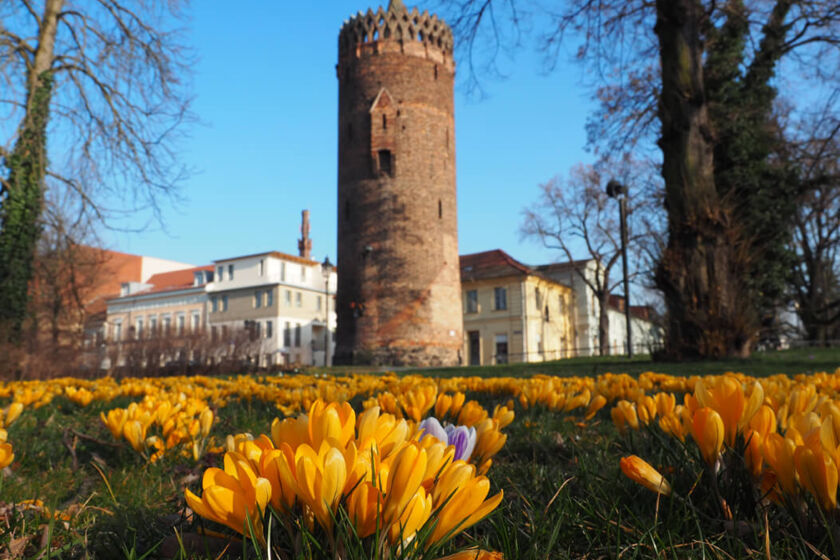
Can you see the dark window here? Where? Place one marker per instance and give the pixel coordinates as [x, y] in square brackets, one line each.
[385, 163]
[384, 122]
[500, 297]
[436, 72]
[440, 209]
[297, 335]
[269, 329]
[501, 349]
[472, 301]
[474, 343]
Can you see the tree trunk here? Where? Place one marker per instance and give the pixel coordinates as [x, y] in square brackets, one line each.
[603, 324]
[698, 272]
[20, 209]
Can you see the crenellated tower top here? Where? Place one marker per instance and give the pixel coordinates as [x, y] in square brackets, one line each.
[396, 29]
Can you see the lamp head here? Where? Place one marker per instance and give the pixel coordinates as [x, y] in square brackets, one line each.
[615, 189]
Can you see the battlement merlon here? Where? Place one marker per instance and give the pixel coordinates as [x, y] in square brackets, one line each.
[397, 29]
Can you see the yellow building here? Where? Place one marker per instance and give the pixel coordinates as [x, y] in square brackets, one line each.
[513, 313]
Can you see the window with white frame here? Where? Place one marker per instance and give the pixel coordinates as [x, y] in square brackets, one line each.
[230, 272]
[269, 297]
[220, 273]
[196, 321]
[117, 331]
[298, 299]
[257, 299]
[180, 323]
[262, 267]
[288, 298]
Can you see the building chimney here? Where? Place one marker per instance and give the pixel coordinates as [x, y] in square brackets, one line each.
[304, 243]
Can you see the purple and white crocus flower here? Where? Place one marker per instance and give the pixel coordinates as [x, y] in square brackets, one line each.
[461, 437]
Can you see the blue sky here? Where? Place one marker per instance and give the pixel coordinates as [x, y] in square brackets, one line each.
[267, 95]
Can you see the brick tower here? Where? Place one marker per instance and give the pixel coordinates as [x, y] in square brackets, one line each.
[399, 291]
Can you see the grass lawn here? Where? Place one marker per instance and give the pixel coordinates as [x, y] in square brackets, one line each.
[760, 364]
[564, 494]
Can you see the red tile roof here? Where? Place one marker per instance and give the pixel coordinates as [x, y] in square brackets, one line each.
[491, 264]
[175, 280]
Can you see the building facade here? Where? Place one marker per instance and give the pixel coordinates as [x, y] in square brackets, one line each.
[279, 307]
[647, 336]
[157, 322]
[512, 313]
[399, 294]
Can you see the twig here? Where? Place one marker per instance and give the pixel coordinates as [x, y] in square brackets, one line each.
[93, 439]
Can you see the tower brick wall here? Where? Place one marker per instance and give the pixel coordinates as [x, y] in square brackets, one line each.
[399, 291]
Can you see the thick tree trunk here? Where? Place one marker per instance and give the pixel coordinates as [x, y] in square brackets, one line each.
[698, 273]
[20, 209]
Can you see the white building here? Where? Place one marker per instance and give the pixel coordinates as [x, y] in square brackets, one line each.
[646, 335]
[284, 302]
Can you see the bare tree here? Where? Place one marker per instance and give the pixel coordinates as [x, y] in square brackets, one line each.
[816, 278]
[578, 219]
[106, 81]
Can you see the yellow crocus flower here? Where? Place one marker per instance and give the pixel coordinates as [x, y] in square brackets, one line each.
[364, 508]
[418, 401]
[233, 496]
[640, 471]
[597, 403]
[779, 452]
[459, 497]
[334, 423]
[406, 472]
[135, 434]
[708, 431]
[818, 474]
[624, 415]
[320, 480]
[415, 514]
[489, 440]
[6, 455]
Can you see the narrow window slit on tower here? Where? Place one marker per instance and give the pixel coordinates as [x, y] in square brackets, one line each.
[384, 122]
[436, 72]
[440, 209]
[385, 163]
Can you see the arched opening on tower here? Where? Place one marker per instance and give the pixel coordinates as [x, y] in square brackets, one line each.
[386, 164]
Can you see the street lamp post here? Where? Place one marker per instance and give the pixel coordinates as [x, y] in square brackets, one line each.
[619, 191]
[326, 270]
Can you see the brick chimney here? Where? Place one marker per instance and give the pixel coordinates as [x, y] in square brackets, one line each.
[304, 243]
